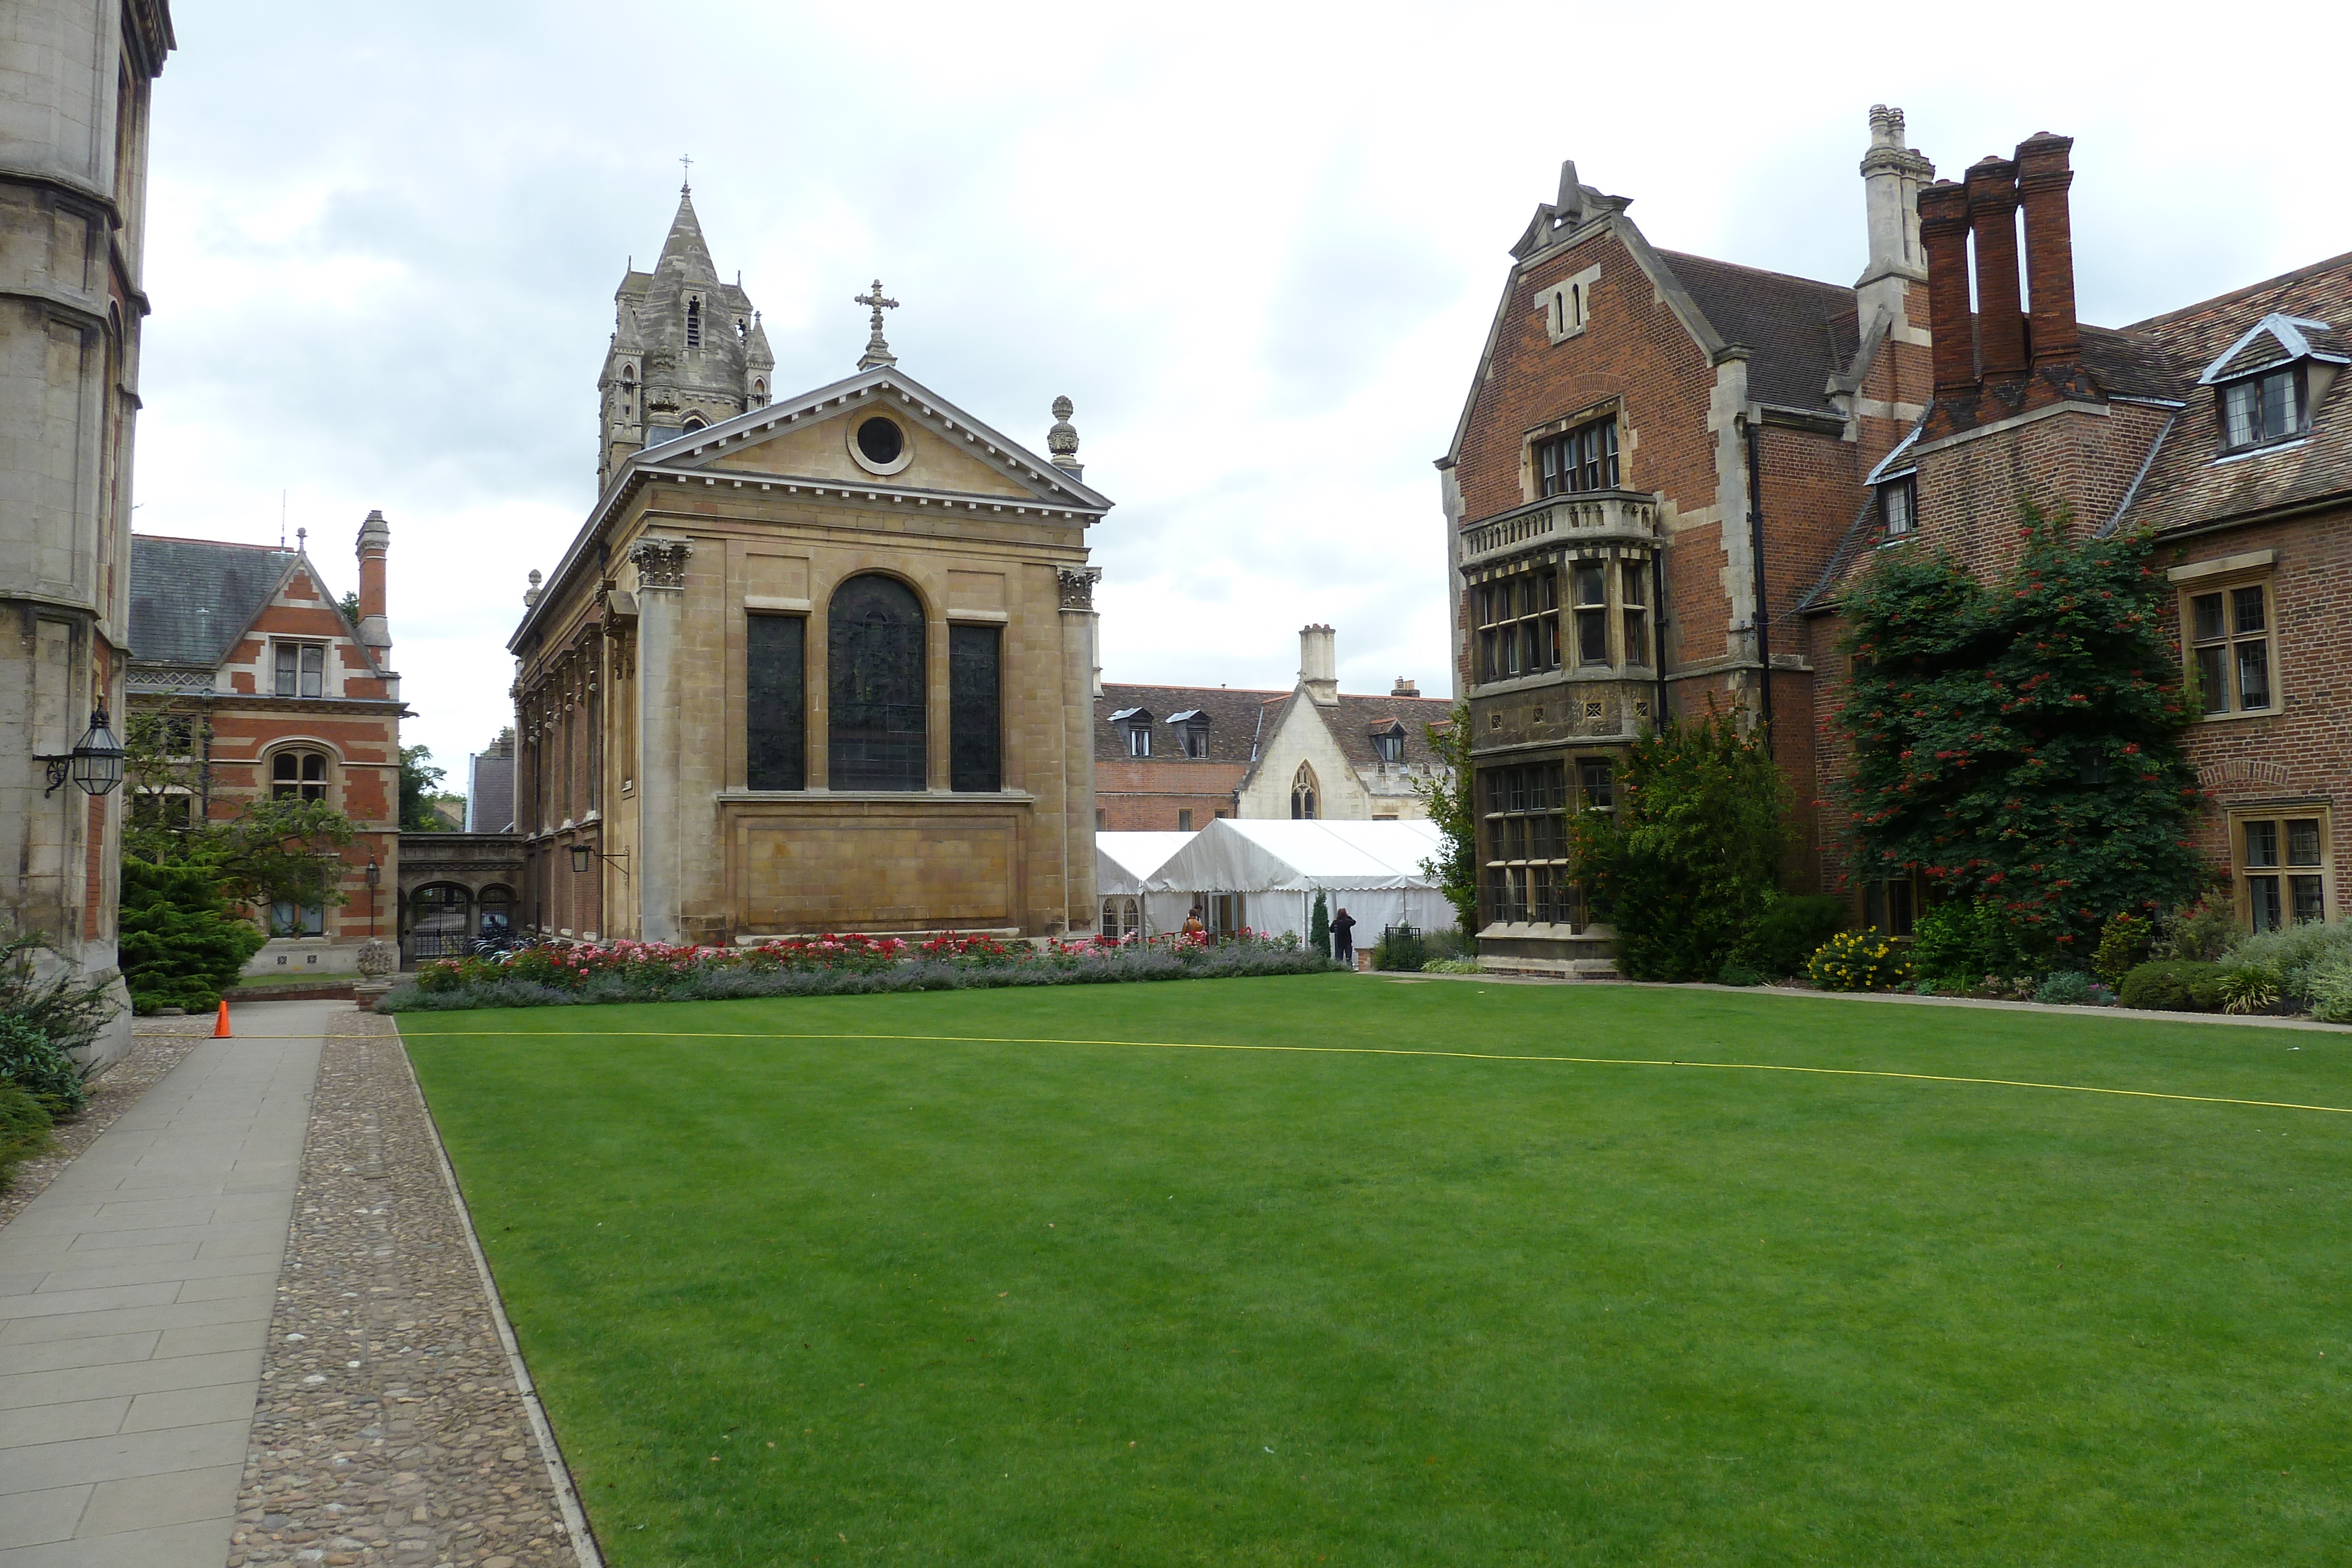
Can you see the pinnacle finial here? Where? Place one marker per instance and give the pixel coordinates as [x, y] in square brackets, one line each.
[686, 182]
[1062, 440]
[877, 352]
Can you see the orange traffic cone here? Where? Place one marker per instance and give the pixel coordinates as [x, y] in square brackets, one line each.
[220, 1024]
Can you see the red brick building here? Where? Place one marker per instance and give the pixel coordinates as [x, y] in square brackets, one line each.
[1174, 759]
[1660, 458]
[2219, 426]
[268, 686]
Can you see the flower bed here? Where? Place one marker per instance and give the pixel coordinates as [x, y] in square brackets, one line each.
[551, 975]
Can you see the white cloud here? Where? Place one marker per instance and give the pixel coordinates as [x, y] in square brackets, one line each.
[1259, 246]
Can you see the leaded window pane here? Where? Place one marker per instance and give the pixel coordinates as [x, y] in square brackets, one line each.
[2213, 679]
[2304, 891]
[2240, 407]
[877, 732]
[2254, 674]
[288, 661]
[2247, 605]
[976, 748]
[2303, 842]
[2263, 903]
[775, 664]
[2262, 844]
[2208, 610]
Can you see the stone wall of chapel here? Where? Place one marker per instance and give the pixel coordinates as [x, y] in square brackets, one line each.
[1303, 737]
[747, 860]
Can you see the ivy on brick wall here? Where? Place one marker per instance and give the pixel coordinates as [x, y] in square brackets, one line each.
[2020, 741]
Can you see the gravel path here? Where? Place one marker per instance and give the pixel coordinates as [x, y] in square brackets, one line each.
[389, 1428]
[157, 1046]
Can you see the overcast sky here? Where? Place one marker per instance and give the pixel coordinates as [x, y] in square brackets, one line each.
[1259, 245]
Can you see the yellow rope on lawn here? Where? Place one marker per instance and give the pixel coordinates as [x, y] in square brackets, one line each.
[1386, 1050]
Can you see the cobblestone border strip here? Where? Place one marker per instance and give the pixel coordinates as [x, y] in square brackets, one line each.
[157, 1046]
[391, 1430]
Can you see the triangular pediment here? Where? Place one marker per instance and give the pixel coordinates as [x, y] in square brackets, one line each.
[935, 449]
[2275, 340]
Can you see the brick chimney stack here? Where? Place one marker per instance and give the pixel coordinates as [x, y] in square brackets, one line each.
[2000, 311]
[2043, 175]
[1944, 235]
[375, 540]
[1318, 665]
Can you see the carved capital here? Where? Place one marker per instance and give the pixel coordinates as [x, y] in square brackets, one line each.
[660, 563]
[1077, 584]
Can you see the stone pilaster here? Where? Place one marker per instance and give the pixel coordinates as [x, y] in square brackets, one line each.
[661, 611]
[1077, 595]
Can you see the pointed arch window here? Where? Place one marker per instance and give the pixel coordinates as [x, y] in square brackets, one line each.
[1303, 795]
[694, 323]
[875, 677]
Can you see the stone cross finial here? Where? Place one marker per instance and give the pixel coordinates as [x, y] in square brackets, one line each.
[686, 181]
[877, 352]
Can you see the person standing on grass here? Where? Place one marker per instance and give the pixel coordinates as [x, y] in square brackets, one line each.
[1343, 938]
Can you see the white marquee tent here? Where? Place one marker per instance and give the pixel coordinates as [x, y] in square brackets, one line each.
[1264, 874]
[1122, 863]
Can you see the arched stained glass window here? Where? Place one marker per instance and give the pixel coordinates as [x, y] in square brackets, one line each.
[1302, 794]
[875, 675]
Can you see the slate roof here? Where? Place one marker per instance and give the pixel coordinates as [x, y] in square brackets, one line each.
[2191, 480]
[191, 600]
[1353, 722]
[1234, 714]
[1802, 331]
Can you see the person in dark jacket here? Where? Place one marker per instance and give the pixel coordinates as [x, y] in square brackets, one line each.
[1343, 938]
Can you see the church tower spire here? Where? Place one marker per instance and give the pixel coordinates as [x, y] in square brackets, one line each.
[686, 352]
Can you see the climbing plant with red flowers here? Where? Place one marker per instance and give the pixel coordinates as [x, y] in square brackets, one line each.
[2020, 741]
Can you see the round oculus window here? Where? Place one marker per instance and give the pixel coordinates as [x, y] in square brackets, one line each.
[881, 441]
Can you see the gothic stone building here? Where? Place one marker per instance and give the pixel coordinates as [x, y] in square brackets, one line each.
[75, 79]
[1658, 458]
[817, 662]
[2224, 428]
[1175, 757]
[266, 687]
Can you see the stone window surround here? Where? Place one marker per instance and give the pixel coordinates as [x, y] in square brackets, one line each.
[2281, 812]
[2198, 578]
[1567, 304]
[1531, 473]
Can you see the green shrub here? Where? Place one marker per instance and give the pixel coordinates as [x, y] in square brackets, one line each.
[1319, 925]
[1959, 943]
[2173, 985]
[2292, 954]
[2202, 931]
[2248, 987]
[1448, 941]
[1736, 973]
[1790, 932]
[1864, 960]
[35, 1063]
[2331, 990]
[1451, 967]
[2123, 942]
[181, 944]
[65, 1006]
[1685, 863]
[24, 1129]
[2069, 989]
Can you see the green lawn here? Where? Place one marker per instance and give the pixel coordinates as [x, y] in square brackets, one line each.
[1022, 1300]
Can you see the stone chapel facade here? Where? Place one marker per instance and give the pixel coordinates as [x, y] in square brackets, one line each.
[817, 662]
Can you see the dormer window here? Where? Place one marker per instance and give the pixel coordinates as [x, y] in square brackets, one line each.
[2263, 408]
[1388, 740]
[1898, 505]
[2272, 378]
[1135, 724]
[1192, 727]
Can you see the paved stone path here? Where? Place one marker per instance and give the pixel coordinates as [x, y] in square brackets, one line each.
[135, 1298]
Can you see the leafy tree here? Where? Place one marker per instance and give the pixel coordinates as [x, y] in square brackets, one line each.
[1446, 796]
[276, 851]
[163, 778]
[2019, 742]
[1686, 862]
[182, 945]
[349, 604]
[420, 784]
